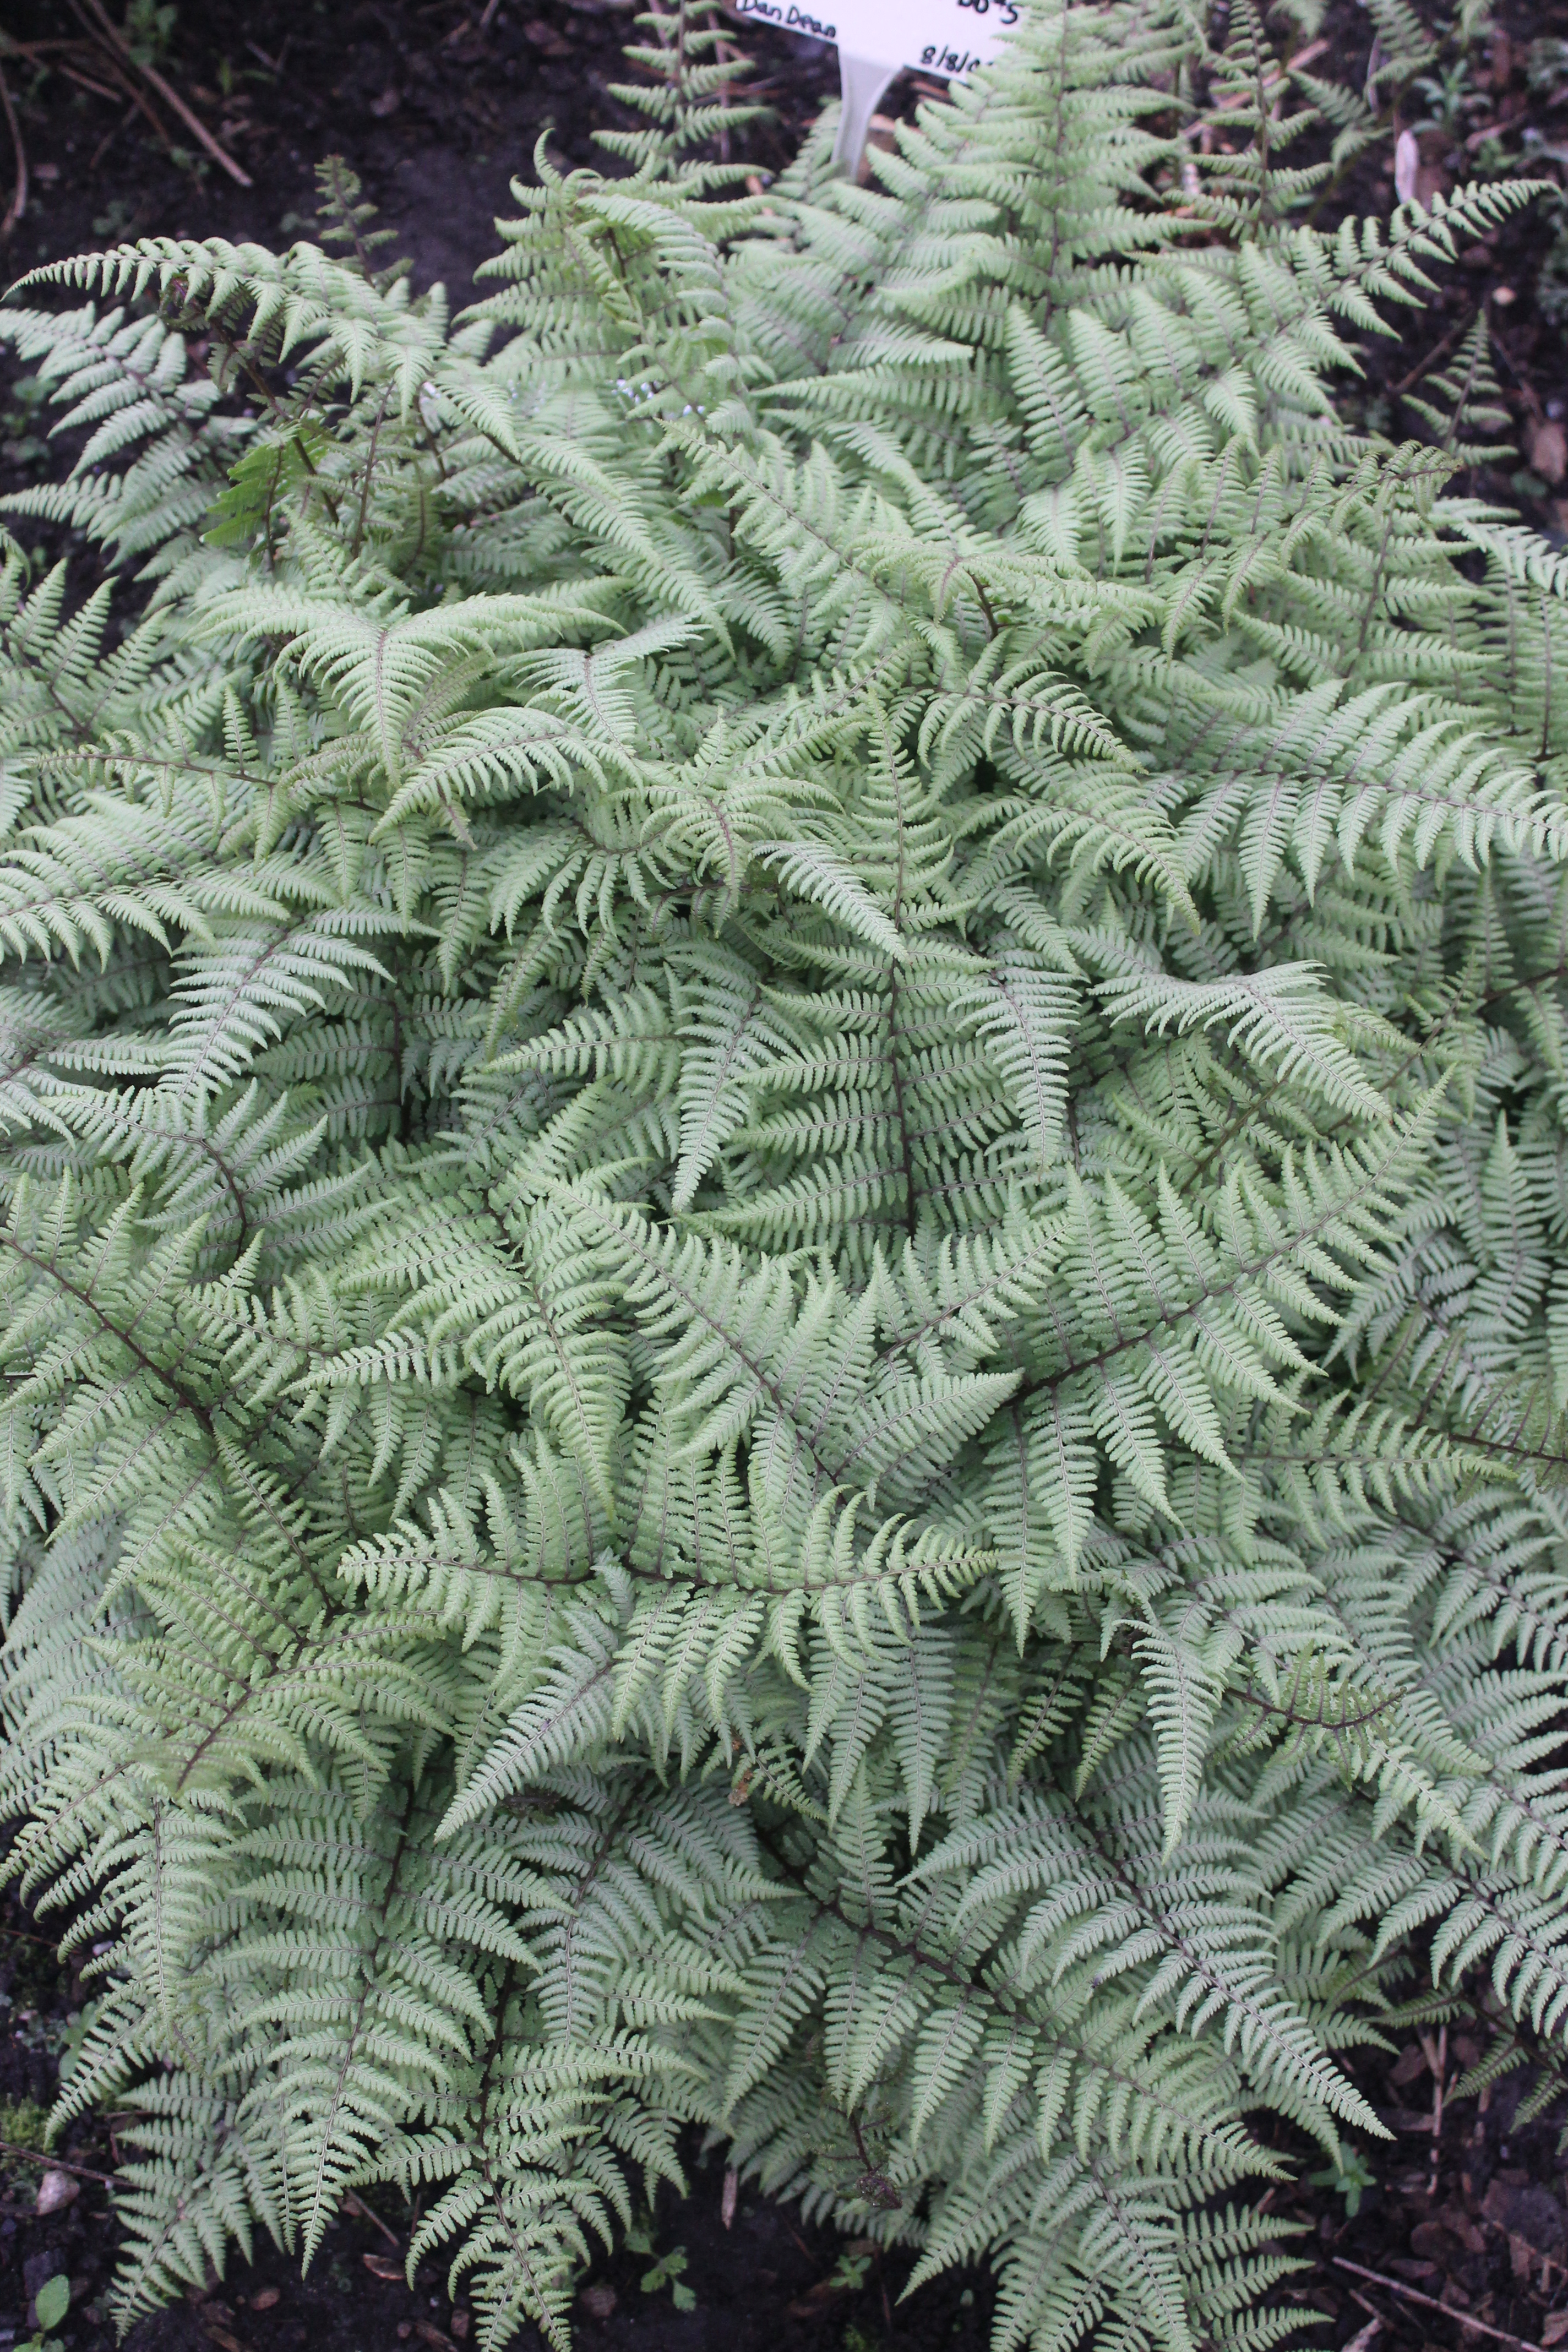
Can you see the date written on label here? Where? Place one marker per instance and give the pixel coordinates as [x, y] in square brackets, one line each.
[960, 62]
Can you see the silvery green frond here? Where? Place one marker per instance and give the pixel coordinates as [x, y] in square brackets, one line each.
[783, 1198]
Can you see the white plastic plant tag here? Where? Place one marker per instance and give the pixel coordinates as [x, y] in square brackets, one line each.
[861, 82]
[940, 36]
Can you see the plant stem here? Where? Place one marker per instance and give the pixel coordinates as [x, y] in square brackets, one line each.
[55, 2163]
[18, 204]
[110, 34]
[1414, 2294]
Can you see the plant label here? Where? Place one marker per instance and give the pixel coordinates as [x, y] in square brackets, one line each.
[940, 36]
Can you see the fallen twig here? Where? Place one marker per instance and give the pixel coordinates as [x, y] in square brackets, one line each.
[55, 2163]
[18, 204]
[1436, 2056]
[1432, 356]
[108, 140]
[357, 2205]
[98, 88]
[1414, 2294]
[140, 102]
[94, 13]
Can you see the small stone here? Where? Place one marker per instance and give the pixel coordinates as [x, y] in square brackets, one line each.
[267, 2298]
[598, 2300]
[54, 2190]
[1546, 450]
[389, 102]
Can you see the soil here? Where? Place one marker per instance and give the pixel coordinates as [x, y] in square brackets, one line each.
[436, 107]
[767, 2281]
[438, 104]
[1425, 2231]
[1506, 98]
[436, 113]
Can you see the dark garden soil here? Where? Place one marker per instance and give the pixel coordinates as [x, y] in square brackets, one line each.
[436, 112]
[1471, 2220]
[436, 107]
[1499, 110]
[769, 2280]
[438, 104]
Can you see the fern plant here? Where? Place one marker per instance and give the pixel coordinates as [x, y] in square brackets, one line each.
[784, 1298]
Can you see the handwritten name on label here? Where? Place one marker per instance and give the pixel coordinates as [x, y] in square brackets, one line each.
[945, 37]
[793, 19]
